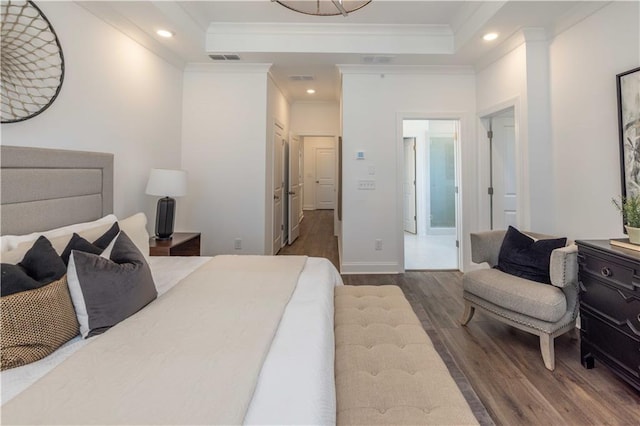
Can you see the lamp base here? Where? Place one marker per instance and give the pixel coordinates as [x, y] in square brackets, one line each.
[165, 218]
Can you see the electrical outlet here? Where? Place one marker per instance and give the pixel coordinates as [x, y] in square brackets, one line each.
[237, 244]
[378, 245]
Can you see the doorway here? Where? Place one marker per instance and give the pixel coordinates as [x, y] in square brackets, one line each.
[430, 194]
[502, 192]
[319, 173]
[279, 185]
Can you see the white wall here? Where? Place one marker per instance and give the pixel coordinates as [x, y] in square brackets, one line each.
[315, 118]
[224, 151]
[584, 62]
[373, 107]
[117, 97]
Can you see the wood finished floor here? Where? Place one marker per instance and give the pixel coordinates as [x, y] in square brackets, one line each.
[502, 364]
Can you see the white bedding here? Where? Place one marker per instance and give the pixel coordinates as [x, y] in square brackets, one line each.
[296, 384]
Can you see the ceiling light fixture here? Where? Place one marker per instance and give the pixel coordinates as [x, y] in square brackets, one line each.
[490, 36]
[164, 33]
[311, 91]
[324, 7]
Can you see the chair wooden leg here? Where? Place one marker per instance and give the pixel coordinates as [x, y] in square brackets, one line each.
[546, 347]
[468, 313]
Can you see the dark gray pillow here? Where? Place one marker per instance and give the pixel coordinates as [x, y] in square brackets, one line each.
[107, 291]
[40, 266]
[14, 279]
[42, 263]
[97, 247]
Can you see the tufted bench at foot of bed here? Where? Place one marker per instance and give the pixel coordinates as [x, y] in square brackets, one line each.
[387, 370]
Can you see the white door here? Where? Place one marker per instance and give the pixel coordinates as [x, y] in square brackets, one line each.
[295, 189]
[409, 186]
[278, 188]
[325, 178]
[504, 172]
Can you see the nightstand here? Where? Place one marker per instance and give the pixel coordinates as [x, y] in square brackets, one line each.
[181, 244]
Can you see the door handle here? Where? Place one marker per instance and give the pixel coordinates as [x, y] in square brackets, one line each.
[275, 197]
[317, 181]
[292, 193]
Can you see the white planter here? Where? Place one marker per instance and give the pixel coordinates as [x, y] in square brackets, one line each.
[634, 234]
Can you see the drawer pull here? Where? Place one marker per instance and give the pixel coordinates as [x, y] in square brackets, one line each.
[606, 272]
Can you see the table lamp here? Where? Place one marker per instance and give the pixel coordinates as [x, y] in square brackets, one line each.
[167, 184]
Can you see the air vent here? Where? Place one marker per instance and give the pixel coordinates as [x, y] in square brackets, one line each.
[301, 78]
[224, 57]
[377, 59]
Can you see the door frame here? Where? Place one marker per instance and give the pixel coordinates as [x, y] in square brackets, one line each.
[316, 204]
[274, 159]
[462, 121]
[415, 186]
[336, 145]
[522, 175]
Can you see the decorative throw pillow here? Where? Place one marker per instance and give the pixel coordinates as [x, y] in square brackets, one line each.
[78, 243]
[524, 257]
[105, 239]
[97, 247]
[35, 323]
[15, 279]
[107, 291]
[42, 263]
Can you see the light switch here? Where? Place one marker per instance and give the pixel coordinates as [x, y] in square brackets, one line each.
[366, 185]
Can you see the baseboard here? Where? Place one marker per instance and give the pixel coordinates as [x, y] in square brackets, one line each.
[349, 268]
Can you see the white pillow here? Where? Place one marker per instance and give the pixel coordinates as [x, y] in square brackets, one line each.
[136, 228]
[11, 242]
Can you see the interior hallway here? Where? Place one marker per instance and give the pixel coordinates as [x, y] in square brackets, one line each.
[498, 368]
[316, 237]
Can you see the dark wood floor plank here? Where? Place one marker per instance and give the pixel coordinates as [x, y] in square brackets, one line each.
[502, 364]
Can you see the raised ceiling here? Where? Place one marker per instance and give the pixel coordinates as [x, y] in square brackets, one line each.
[385, 33]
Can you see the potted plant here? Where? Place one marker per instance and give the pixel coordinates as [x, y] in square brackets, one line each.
[630, 209]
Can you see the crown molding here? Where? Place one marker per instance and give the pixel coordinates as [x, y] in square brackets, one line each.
[228, 68]
[329, 38]
[406, 69]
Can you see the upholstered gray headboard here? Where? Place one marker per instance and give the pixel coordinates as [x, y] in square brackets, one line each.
[48, 188]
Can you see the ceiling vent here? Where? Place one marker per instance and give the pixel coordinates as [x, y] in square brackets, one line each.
[301, 78]
[224, 57]
[377, 59]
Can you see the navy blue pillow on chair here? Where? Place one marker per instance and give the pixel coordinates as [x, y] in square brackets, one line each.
[524, 257]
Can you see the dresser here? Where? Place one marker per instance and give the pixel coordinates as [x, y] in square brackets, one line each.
[609, 284]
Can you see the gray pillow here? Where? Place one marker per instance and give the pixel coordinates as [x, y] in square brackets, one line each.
[107, 291]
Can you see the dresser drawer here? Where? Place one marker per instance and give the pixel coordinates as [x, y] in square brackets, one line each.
[620, 307]
[617, 349]
[608, 268]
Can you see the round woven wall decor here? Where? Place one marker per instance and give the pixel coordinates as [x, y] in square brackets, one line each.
[32, 67]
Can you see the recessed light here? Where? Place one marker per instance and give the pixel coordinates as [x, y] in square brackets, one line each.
[164, 33]
[311, 91]
[490, 36]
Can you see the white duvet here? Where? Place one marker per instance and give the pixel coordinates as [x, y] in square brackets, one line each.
[296, 383]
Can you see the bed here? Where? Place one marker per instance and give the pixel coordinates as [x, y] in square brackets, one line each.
[187, 357]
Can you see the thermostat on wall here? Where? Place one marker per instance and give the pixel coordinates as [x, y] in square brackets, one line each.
[360, 155]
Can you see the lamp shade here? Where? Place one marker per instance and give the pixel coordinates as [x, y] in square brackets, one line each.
[167, 183]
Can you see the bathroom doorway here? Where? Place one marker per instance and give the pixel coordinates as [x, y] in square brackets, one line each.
[430, 194]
